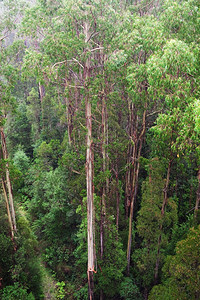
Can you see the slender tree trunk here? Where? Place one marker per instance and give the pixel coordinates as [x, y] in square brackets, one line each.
[133, 198]
[118, 198]
[161, 225]
[130, 155]
[103, 202]
[9, 186]
[136, 167]
[198, 195]
[7, 207]
[90, 204]
[128, 182]
[41, 95]
[89, 175]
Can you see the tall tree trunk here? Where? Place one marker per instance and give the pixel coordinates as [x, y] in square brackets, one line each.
[136, 167]
[8, 181]
[7, 207]
[118, 197]
[198, 195]
[133, 198]
[89, 175]
[103, 202]
[161, 225]
[90, 200]
[131, 123]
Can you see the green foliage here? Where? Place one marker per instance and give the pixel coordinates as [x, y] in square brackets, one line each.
[48, 154]
[181, 19]
[113, 264]
[60, 290]
[129, 290]
[179, 232]
[21, 161]
[170, 73]
[27, 269]
[151, 224]
[6, 259]
[18, 130]
[34, 114]
[82, 293]
[110, 268]
[182, 270]
[14, 292]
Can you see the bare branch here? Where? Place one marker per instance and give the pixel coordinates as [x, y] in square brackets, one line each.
[99, 48]
[76, 86]
[59, 63]
[92, 35]
[153, 113]
[3, 37]
[74, 171]
[74, 59]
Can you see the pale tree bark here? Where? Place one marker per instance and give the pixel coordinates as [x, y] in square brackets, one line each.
[104, 143]
[7, 208]
[89, 174]
[104, 166]
[41, 93]
[8, 181]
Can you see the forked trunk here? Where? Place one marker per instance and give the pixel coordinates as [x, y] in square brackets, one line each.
[136, 167]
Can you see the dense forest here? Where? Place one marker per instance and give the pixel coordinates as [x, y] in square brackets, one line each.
[100, 149]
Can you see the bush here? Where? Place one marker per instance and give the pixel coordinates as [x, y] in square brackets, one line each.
[13, 292]
[129, 290]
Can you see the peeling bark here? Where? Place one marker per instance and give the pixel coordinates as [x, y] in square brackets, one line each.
[89, 175]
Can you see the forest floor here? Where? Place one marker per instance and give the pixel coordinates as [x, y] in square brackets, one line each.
[48, 283]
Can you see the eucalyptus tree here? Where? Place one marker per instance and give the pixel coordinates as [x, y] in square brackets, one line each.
[150, 224]
[142, 36]
[181, 277]
[171, 75]
[72, 44]
[181, 20]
